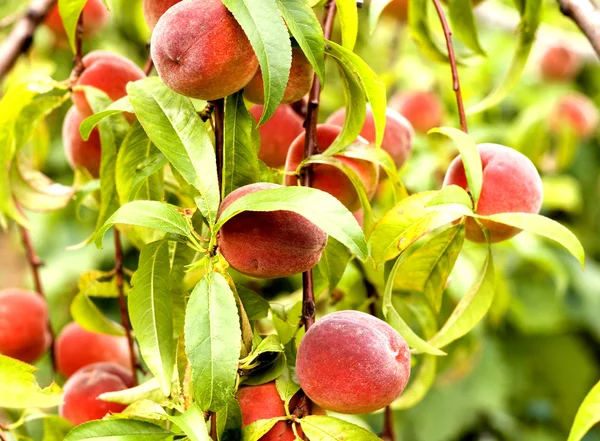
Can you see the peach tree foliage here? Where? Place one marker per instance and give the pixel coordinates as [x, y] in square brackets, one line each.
[199, 342]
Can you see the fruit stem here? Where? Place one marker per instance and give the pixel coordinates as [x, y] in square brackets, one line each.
[213, 426]
[149, 63]
[388, 426]
[452, 58]
[219, 119]
[78, 66]
[123, 304]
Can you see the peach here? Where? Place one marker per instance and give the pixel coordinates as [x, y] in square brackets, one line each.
[81, 392]
[422, 109]
[200, 50]
[397, 138]
[269, 244]
[352, 362]
[577, 111]
[108, 72]
[154, 9]
[511, 183]
[299, 83]
[277, 134]
[95, 18]
[80, 153]
[327, 177]
[24, 333]
[559, 63]
[76, 348]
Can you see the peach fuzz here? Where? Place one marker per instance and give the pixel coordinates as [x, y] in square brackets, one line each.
[277, 134]
[559, 63]
[154, 9]
[511, 183]
[76, 348]
[95, 18]
[578, 112]
[351, 362]
[299, 83]
[81, 392]
[397, 138]
[201, 51]
[24, 333]
[327, 177]
[423, 110]
[269, 244]
[80, 153]
[108, 72]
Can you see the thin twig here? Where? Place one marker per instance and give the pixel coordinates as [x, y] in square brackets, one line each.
[206, 113]
[149, 66]
[219, 121]
[311, 148]
[586, 16]
[21, 36]
[78, 66]
[123, 304]
[213, 426]
[388, 433]
[452, 58]
[300, 107]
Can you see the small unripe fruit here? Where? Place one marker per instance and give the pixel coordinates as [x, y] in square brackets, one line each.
[352, 362]
[397, 138]
[299, 83]
[95, 18]
[559, 63]
[24, 333]
[154, 9]
[578, 112]
[422, 109]
[200, 50]
[327, 177]
[76, 348]
[80, 153]
[81, 392]
[108, 72]
[511, 183]
[269, 244]
[277, 134]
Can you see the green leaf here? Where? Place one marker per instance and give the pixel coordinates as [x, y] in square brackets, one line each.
[319, 207]
[119, 106]
[152, 214]
[56, 428]
[266, 30]
[325, 428]
[70, 10]
[118, 430]
[90, 317]
[271, 343]
[472, 307]
[333, 263]
[241, 145]
[19, 388]
[348, 13]
[464, 25]
[150, 390]
[587, 416]
[256, 307]
[531, 17]
[287, 384]
[428, 268]
[470, 157]
[193, 424]
[151, 311]
[255, 430]
[172, 124]
[375, 10]
[418, 23]
[306, 29]
[213, 341]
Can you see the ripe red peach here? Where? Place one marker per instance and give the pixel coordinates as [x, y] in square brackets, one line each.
[559, 63]
[299, 83]
[422, 109]
[80, 153]
[578, 112]
[327, 177]
[108, 72]
[24, 333]
[154, 9]
[511, 183]
[200, 50]
[269, 244]
[76, 348]
[277, 134]
[352, 362]
[95, 18]
[397, 138]
[81, 392]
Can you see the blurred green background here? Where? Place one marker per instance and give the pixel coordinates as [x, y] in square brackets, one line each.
[522, 374]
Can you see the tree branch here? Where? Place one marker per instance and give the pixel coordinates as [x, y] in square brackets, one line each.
[21, 36]
[452, 58]
[586, 16]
